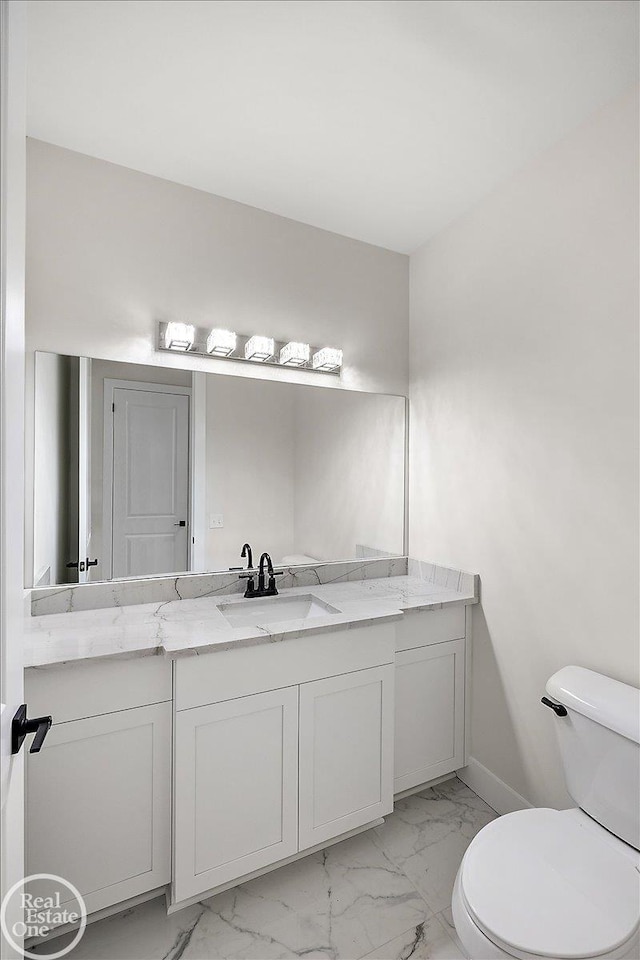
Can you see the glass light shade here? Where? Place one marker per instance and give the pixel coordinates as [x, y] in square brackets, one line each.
[294, 354]
[221, 343]
[259, 348]
[179, 336]
[327, 359]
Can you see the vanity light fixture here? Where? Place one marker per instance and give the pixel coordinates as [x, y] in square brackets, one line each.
[294, 354]
[179, 336]
[328, 359]
[259, 348]
[221, 343]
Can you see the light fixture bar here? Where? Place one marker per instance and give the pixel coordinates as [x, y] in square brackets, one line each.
[220, 344]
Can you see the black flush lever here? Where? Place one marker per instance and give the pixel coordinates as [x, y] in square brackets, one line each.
[20, 727]
[557, 708]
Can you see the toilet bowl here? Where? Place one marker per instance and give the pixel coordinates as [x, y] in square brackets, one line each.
[564, 885]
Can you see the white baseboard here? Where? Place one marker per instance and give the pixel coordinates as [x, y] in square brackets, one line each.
[492, 789]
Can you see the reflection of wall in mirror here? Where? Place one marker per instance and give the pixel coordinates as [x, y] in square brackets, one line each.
[250, 469]
[349, 481]
[302, 472]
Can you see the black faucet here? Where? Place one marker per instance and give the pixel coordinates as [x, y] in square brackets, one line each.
[246, 552]
[262, 591]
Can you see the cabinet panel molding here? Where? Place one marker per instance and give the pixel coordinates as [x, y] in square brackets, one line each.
[346, 753]
[429, 713]
[98, 804]
[235, 789]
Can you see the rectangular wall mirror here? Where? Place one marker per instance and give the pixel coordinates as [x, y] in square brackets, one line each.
[146, 471]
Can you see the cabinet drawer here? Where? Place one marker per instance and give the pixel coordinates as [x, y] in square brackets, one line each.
[430, 626]
[238, 673]
[75, 691]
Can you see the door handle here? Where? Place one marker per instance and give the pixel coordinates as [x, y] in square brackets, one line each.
[20, 727]
[79, 565]
[180, 523]
[92, 563]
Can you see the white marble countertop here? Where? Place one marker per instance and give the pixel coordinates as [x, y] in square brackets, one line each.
[190, 627]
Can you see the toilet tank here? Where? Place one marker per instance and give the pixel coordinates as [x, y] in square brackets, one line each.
[600, 745]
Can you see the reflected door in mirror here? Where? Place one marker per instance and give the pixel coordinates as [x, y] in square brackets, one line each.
[149, 462]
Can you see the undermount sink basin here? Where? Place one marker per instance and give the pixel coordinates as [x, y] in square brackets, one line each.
[253, 613]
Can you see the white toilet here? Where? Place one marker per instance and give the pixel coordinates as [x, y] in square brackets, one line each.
[565, 883]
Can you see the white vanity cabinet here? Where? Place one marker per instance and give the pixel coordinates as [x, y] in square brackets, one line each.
[346, 753]
[236, 788]
[205, 770]
[98, 793]
[261, 776]
[430, 696]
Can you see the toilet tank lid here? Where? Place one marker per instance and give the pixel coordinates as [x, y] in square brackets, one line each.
[609, 702]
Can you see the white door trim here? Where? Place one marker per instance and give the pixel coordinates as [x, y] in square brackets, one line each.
[110, 386]
[198, 472]
[13, 39]
[84, 464]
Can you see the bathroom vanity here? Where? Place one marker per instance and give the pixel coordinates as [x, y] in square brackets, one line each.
[191, 750]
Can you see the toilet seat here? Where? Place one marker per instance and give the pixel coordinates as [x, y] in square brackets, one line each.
[549, 883]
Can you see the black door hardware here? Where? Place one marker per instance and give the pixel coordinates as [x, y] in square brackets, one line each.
[82, 565]
[180, 523]
[20, 727]
[557, 708]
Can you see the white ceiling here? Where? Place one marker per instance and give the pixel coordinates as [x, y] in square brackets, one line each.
[379, 119]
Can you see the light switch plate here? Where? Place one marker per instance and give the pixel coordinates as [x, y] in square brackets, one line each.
[216, 521]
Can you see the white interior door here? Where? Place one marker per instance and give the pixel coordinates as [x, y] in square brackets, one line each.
[84, 467]
[150, 481]
[12, 355]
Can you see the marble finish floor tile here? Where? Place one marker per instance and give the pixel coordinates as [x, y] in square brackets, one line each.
[428, 941]
[383, 895]
[428, 834]
[342, 902]
[140, 933]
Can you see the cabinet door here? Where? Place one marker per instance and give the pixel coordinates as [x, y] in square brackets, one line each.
[429, 727]
[98, 804]
[346, 761]
[236, 780]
